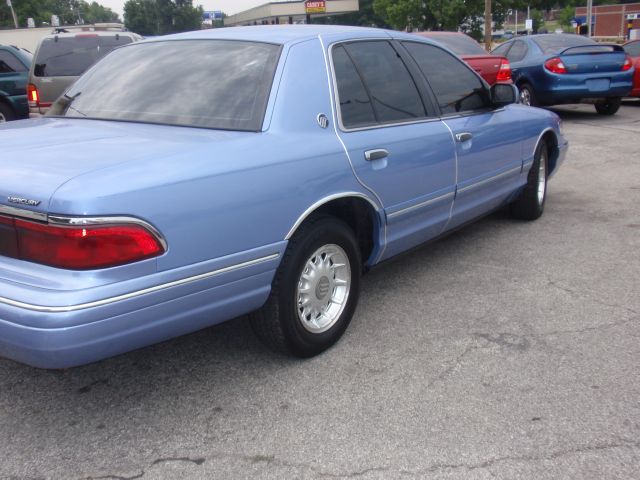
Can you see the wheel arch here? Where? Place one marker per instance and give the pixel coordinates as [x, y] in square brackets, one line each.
[359, 212]
[551, 139]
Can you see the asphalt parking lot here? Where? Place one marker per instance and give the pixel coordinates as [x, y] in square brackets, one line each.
[508, 350]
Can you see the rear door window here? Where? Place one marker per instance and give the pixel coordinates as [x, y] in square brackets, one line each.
[391, 90]
[9, 63]
[518, 51]
[71, 56]
[456, 87]
[355, 104]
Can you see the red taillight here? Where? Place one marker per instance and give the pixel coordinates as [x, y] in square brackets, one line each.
[555, 65]
[77, 248]
[628, 63]
[504, 73]
[32, 95]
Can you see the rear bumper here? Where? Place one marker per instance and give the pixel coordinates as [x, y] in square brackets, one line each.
[84, 333]
[568, 88]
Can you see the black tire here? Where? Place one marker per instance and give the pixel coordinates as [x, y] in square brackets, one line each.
[6, 113]
[278, 323]
[530, 204]
[528, 96]
[609, 107]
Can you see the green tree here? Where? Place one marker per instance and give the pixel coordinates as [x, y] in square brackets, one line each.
[70, 12]
[364, 17]
[160, 17]
[429, 14]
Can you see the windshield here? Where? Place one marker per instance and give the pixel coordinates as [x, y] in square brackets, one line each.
[460, 44]
[200, 83]
[71, 56]
[556, 42]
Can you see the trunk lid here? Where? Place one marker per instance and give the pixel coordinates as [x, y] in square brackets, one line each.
[592, 59]
[39, 156]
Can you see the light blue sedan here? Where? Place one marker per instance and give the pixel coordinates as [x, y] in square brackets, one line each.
[187, 180]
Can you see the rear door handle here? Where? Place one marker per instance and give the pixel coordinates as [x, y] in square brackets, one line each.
[378, 154]
[463, 137]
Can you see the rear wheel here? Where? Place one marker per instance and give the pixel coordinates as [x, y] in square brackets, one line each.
[315, 291]
[527, 95]
[530, 203]
[6, 114]
[609, 107]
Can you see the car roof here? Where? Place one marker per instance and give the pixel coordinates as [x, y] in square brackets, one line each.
[283, 34]
[92, 33]
[438, 34]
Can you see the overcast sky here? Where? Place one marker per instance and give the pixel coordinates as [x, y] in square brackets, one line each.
[227, 6]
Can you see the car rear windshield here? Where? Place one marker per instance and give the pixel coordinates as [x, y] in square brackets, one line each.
[460, 44]
[217, 84]
[557, 42]
[71, 56]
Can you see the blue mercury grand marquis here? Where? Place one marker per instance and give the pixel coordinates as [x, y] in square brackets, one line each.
[190, 179]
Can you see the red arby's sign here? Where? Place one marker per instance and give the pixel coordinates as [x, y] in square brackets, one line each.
[315, 6]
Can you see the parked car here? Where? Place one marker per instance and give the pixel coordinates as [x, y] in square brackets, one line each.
[249, 170]
[63, 56]
[633, 50]
[554, 69]
[14, 68]
[492, 68]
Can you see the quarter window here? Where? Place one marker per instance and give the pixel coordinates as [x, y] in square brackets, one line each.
[9, 63]
[456, 87]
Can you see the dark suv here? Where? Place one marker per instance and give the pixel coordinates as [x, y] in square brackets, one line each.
[14, 72]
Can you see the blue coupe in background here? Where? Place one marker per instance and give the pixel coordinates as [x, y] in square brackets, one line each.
[187, 180]
[554, 69]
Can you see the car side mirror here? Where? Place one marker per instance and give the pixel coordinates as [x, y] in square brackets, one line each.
[503, 94]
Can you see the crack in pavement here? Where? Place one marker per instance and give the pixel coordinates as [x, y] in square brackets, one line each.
[455, 364]
[521, 458]
[272, 460]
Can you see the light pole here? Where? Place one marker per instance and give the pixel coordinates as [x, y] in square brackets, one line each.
[13, 13]
[589, 14]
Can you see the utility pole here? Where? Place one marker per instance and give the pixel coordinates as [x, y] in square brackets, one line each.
[589, 15]
[13, 13]
[487, 25]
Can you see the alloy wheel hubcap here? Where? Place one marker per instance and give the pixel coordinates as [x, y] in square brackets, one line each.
[323, 288]
[2, 118]
[525, 97]
[542, 177]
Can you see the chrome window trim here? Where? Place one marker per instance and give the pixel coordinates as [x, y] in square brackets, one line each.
[421, 205]
[137, 293]
[80, 221]
[321, 202]
[23, 213]
[337, 94]
[506, 173]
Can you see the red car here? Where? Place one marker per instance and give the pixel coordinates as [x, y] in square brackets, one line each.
[633, 50]
[492, 68]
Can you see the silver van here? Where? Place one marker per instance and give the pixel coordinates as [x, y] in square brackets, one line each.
[64, 55]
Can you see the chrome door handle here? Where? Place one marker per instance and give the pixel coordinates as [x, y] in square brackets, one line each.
[378, 154]
[463, 137]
